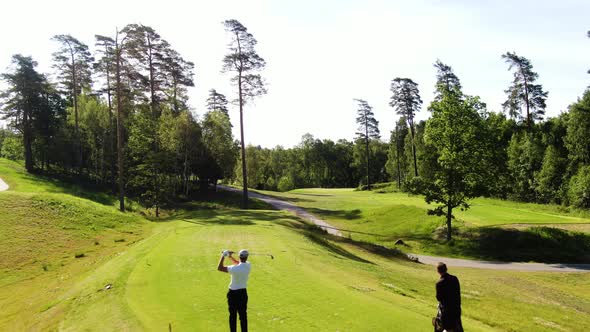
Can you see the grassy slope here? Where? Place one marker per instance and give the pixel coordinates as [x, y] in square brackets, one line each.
[170, 277]
[311, 285]
[385, 217]
[43, 226]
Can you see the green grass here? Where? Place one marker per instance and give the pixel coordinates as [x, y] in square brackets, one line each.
[164, 273]
[49, 237]
[385, 217]
[310, 285]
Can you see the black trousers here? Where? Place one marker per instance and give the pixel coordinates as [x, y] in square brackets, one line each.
[237, 303]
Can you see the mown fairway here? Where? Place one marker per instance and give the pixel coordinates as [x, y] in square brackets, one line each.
[169, 276]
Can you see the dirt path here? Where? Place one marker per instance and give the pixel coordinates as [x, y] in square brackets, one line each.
[430, 260]
[504, 265]
[3, 185]
[282, 205]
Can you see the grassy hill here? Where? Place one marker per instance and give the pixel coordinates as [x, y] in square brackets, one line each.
[490, 229]
[50, 236]
[163, 273]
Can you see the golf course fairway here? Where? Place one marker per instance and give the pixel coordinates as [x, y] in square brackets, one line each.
[72, 262]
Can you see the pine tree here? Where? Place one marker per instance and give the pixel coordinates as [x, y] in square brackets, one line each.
[73, 63]
[446, 80]
[217, 102]
[368, 129]
[105, 67]
[30, 104]
[245, 63]
[406, 102]
[524, 91]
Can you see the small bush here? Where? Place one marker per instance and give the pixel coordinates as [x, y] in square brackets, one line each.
[12, 148]
[579, 188]
[286, 183]
[79, 255]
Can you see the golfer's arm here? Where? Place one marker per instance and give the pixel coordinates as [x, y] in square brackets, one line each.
[439, 292]
[220, 266]
[235, 260]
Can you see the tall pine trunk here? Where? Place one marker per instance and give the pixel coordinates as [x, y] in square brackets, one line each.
[449, 217]
[367, 151]
[244, 172]
[28, 140]
[414, 148]
[120, 131]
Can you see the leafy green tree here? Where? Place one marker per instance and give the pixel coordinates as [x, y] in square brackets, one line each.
[94, 128]
[73, 62]
[217, 102]
[496, 136]
[579, 188]
[245, 63]
[578, 132]
[524, 91]
[549, 178]
[220, 144]
[12, 148]
[453, 131]
[406, 102]
[368, 129]
[22, 101]
[525, 157]
[142, 160]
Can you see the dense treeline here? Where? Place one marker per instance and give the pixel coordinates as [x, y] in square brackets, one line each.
[118, 117]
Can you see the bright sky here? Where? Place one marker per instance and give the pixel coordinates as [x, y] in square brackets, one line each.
[322, 54]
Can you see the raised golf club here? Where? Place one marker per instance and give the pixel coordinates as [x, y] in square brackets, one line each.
[253, 253]
[257, 254]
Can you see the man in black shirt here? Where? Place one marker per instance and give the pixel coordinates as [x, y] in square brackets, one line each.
[448, 294]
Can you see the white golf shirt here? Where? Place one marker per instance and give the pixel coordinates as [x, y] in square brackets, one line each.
[239, 275]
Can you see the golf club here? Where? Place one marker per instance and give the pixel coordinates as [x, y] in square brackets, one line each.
[256, 254]
[271, 256]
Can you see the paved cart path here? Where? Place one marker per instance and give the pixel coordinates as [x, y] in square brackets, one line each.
[431, 260]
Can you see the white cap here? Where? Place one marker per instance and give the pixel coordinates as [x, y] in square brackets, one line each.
[244, 253]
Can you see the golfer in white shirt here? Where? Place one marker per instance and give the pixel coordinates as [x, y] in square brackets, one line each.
[237, 296]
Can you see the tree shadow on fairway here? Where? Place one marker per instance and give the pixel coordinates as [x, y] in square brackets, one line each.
[212, 217]
[319, 236]
[316, 195]
[333, 248]
[284, 198]
[538, 244]
[342, 214]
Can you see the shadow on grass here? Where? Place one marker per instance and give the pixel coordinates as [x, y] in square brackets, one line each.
[333, 248]
[538, 244]
[283, 198]
[316, 195]
[342, 214]
[319, 236]
[72, 185]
